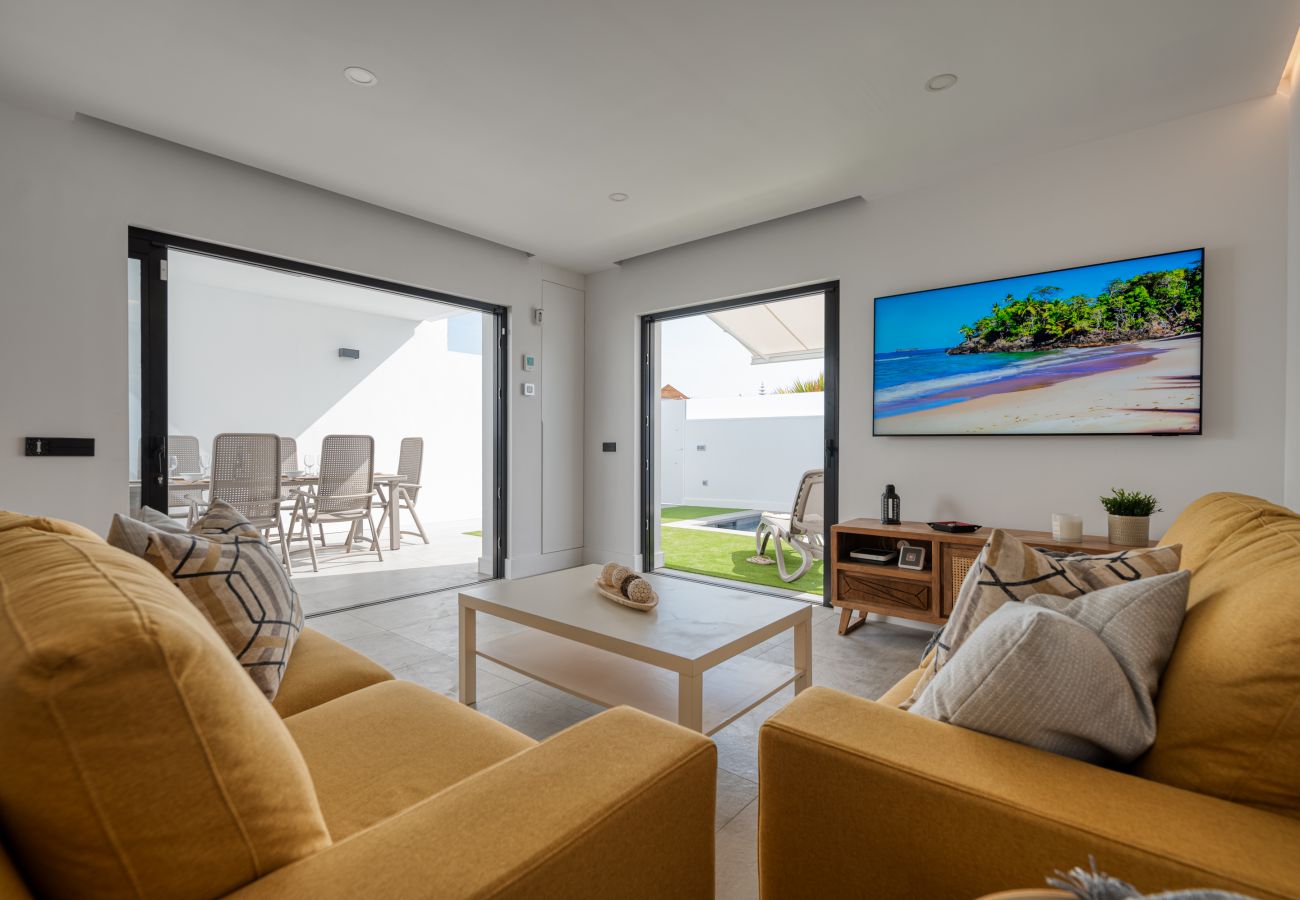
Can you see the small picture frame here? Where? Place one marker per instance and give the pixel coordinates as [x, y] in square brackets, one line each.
[910, 557]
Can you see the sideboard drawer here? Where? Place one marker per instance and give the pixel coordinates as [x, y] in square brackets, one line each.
[885, 594]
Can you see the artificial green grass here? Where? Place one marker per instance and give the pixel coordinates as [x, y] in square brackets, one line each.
[725, 556]
[682, 513]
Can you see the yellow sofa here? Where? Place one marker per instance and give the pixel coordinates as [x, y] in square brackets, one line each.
[138, 759]
[860, 799]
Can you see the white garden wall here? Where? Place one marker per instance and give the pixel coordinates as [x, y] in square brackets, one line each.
[743, 452]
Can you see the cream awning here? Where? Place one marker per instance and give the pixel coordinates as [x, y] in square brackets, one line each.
[778, 331]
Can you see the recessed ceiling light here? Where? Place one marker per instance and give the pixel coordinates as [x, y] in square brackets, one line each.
[360, 76]
[618, 196]
[941, 82]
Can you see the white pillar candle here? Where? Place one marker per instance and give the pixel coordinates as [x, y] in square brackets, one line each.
[1067, 527]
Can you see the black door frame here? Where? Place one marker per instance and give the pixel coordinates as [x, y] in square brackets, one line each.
[150, 247]
[830, 290]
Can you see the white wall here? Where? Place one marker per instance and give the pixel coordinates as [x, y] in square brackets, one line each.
[560, 378]
[755, 449]
[1217, 180]
[670, 461]
[288, 379]
[68, 192]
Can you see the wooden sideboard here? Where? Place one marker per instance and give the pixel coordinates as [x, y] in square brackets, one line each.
[926, 595]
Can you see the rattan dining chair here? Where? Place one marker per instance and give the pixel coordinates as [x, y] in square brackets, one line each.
[185, 447]
[343, 492]
[288, 455]
[289, 466]
[409, 463]
[246, 474]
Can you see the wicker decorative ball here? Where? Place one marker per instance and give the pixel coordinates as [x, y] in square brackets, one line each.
[615, 574]
[622, 585]
[608, 573]
[639, 591]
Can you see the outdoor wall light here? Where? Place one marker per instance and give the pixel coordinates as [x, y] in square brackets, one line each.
[349, 353]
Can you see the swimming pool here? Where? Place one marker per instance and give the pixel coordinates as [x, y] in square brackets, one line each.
[747, 523]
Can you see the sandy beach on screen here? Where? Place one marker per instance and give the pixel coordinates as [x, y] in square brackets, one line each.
[1160, 394]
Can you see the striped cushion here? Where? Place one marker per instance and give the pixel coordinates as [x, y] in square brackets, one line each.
[1074, 676]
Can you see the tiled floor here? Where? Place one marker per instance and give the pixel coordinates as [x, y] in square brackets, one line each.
[416, 640]
[449, 559]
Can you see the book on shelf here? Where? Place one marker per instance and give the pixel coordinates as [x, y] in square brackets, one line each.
[874, 557]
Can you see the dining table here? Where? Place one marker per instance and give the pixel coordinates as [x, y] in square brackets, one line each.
[183, 483]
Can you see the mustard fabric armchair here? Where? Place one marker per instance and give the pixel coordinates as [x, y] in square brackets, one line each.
[858, 798]
[138, 759]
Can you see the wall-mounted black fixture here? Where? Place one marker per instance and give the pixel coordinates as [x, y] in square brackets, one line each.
[59, 446]
[609, 446]
[349, 353]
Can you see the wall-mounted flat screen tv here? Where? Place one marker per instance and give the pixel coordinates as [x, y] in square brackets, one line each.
[1113, 348]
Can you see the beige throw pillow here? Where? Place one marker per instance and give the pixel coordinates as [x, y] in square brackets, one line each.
[1074, 676]
[1009, 570]
[132, 534]
[224, 567]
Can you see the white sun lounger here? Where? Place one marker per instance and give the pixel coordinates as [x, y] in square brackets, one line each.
[802, 529]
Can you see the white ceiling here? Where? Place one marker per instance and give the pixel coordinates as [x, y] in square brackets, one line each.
[514, 119]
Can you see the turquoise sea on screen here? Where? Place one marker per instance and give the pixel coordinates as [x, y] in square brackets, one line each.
[911, 380]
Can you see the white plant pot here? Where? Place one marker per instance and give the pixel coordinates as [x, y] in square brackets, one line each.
[1129, 531]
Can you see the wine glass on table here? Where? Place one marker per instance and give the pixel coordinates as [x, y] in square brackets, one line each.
[309, 460]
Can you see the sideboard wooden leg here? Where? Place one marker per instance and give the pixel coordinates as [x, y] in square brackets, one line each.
[845, 615]
[847, 626]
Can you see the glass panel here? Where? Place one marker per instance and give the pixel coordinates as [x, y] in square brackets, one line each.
[739, 419]
[253, 349]
[133, 381]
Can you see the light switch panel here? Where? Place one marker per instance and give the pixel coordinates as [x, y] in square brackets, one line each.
[529, 389]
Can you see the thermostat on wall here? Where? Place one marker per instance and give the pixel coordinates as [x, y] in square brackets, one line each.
[529, 362]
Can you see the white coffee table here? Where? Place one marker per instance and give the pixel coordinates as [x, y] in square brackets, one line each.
[681, 661]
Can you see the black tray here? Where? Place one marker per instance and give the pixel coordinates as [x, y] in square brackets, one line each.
[954, 527]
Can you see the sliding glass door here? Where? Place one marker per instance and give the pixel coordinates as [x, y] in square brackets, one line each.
[147, 382]
[236, 343]
[740, 438]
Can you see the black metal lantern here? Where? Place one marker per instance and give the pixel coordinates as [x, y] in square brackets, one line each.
[891, 507]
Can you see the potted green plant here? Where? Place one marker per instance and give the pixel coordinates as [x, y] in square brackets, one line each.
[1129, 523]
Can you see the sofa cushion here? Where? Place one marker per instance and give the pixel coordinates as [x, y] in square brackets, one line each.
[321, 669]
[1229, 703]
[228, 572]
[1071, 676]
[150, 764]
[379, 750]
[1009, 570]
[131, 533]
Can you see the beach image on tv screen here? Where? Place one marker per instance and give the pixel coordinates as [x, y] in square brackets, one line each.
[1113, 348]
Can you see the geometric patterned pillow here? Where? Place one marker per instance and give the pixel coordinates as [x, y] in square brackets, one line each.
[1009, 570]
[1111, 569]
[224, 567]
